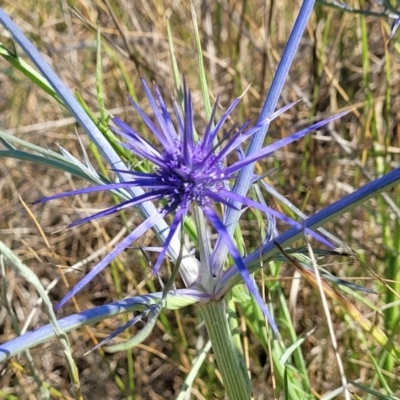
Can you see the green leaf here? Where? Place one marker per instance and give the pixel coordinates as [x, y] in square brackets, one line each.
[29, 72]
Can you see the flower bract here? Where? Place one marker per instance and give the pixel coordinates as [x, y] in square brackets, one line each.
[187, 172]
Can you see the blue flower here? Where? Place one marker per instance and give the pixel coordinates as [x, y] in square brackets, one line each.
[186, 172]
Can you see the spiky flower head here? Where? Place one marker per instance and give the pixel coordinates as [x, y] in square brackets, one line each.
[186, 171]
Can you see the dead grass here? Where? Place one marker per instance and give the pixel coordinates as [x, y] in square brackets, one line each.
[243, 41]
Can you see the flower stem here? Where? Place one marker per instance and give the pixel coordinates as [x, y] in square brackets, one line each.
[203, 245]
[227, 351]
[229, 357]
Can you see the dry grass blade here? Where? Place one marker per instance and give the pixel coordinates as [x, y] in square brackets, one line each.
[342, 63]
[13, 261]
[371, 328]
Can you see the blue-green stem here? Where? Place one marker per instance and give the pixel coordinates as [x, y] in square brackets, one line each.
[227, 351]
[204, 250]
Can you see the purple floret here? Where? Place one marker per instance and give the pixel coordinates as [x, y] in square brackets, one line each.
[187, 171]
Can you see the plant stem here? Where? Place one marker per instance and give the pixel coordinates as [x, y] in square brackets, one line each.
[229, 357]
[205, 272]
[227, 351]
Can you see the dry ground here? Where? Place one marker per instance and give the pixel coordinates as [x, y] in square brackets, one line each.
[333, 70]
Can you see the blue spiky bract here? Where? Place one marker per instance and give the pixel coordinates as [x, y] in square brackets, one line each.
[186, 172]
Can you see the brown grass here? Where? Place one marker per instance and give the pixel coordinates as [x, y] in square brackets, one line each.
[242, 47]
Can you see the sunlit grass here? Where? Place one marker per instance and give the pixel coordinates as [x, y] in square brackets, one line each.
[342, 62]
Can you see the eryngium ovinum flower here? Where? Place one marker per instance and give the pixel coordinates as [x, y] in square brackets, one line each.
[186, 172]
